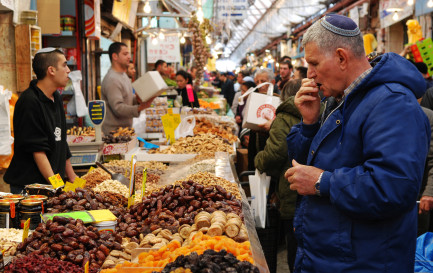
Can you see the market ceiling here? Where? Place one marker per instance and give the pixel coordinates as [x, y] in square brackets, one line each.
[266, 20]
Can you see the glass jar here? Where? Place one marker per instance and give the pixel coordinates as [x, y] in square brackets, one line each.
[32, 208]
[9, 217]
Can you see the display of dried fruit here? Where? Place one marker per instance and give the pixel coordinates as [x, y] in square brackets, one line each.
[37, 263]
[200, 48]
[113, 186]
[199, 244]
[124, 167]
[211, 261]
[175, 205]
[115, 198]
[121, 135]
[70, 240]
[203, 144]
[95, 177]
[82, 199]
[81, 131]
[204, 126]
[209, 179]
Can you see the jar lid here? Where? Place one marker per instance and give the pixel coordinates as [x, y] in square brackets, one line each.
[38, 197]
[35, 186]
[31, 202]
[15, 196]
[6, 202]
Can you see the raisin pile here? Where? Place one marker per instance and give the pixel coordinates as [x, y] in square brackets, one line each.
[211, 262]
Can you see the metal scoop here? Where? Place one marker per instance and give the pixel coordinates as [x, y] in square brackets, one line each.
[115, 176]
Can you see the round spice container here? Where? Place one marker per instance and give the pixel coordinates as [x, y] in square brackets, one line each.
[17, 197]
[31, 208]
[38, 197]
[9, 217]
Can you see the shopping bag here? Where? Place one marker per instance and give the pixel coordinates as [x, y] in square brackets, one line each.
[259, 187]
[259, 108]
[424, 253]
[185, 128]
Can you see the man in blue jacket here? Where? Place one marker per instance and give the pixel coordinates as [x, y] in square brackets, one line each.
[359, 165]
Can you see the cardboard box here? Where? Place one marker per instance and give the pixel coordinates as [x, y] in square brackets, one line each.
[149, 85]
[119, 148]
[258, 107]
[79, 139]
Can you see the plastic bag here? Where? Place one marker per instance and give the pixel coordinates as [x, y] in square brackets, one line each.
[185, 128]
[259, 186]
[424, 253]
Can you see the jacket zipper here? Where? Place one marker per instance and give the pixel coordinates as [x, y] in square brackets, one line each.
[331, 112]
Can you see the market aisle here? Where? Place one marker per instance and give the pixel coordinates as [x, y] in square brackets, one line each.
[282, 266]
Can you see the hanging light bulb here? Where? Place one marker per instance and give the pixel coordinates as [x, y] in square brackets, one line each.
[430, 4]
[200, 15]
[208, 40]
[395, 16]
[154, 41]
[147, 8]
[182, 39]
[410, 2]
[161, 36]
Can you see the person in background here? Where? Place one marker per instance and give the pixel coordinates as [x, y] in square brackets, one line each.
[130, 71]
[274, 161]
[235, 103]
[264, 75]
[193, 71]
[426, 191]
[300, 72]
[423, 69]
[116, 89]
[278, 77]
[247, 84]
[359, 165]
[286, 69]
[239, 80]
[182, 79]
[40, 147]
[161, 67]
[227, 88]
[215, 81]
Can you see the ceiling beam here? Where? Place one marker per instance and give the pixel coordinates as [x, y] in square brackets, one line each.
[142, 14]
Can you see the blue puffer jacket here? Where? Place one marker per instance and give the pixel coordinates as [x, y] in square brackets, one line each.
[372, 148]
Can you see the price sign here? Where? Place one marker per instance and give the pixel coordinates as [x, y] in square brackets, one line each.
[79, 182]
[69, 187]
[56, 181]
[143, 185]
[131, 201]
[132, 176]
[170, 123]
[86, 267]
[91, 169]
[26, 229]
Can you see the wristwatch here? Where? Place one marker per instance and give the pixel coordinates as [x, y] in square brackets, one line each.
[317, 185]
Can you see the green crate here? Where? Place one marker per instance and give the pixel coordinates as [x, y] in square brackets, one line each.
[425, 47]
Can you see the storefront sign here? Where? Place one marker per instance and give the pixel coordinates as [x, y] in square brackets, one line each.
[166, 49]
[92, 17]
[233, 9]
[386, 15]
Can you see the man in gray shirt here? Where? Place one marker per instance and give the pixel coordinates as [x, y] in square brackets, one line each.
[116, 89]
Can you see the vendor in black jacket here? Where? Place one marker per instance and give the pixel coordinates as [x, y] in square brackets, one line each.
[182, 79]
[40, 148]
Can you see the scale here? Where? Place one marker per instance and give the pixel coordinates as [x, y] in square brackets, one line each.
[87, 153]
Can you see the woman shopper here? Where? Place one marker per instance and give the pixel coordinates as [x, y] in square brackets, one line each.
[274, 161]
[183, 78]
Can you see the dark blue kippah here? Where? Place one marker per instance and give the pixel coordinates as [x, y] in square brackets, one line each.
[340, 25]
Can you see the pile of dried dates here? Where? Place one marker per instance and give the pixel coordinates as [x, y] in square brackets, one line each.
[212, 262]
[82, 199]
[173, 206]
[70, 240]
